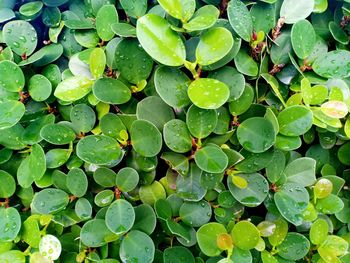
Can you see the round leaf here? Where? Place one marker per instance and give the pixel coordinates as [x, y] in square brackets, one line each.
[207, 236]
[211, 159]
[8, 186]
[303, 38]
[12, 77]
[94, 233]
[127, 179]
[106, 16]
[73, 88]
[245, 235]
[294, 247]
[334, 64]
[98, 149]
[294, 10]
[49, 201]
[57, 134]
[256, 134]
[120, 216]
[240, 19]
[137, 246]
[39, 87]
[77, 182]
[111, 91]
[20, 36]
[213, 45]
[10, 224]
[146, 138]
[171, 85]
[177, 137]
[295, 120]
[182, 10]
[208, 93]
[10, 113]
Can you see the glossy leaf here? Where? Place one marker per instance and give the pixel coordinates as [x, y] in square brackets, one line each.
[240, 19]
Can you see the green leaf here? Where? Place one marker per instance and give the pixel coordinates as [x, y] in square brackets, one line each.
[201, 122]
[97, 62]
[274, 85]
[232, 78]
[154, 110]
[178, 254]
[171, 85]
[294, 10]
[319, 231]
[208, 93]
[245, 235]
[255, 192]
[301, 171]
[204, 18]
[180, 9]
[303, 38]
[294, 247]
[243, 103]
[195, 214]
[334, 245]
[145, 219]
[105, 177]
[137, 246]
[106, 16]
[177, 137]
[282, 48]
[10, 224]
[159, 41]
[8, 188]
[98, 149]
[95, 233]
[149, 194]
[83, 208]
[134, 8]
[49, 201]
[240, 19]
[291, 200]
[145, 137]
[77, 182]
[295, 120]
[39, 87]
[31, 8]
[211, 159]
[14, 256]
[189, 187]
[20, 36]
[134, 64]
[111, 125]
[245, 64]
[256, 134]
[57, 134]
[334, 64]
[127, 179]
[32, 168]
[10, 113]
[104, 198]
[111, 91]
[83, 118]
[313, 95]
[12, 77]
[332, 204]
[120, 216]
[31, 232]
[207, 236]
[73, 88]
[124, 29]
[213, 45]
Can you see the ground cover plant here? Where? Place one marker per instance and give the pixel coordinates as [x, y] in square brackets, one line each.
[174, 131]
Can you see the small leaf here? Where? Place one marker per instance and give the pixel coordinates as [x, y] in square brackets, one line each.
[97, 62]
[204, 18]
[211, 159]
[334, 64]
[295, 120]
[12, 77]
[177, 137]
[127, 179]
[207, 236]
[120, 216]
[111, 91]
[201, 122]
[10, 224]
[145, 137]
[182, 10]
[208, 93]
[138, 246]
[73, 88]
[301, 171]
[240, 19]
[213, 45]
[49, 201]
[57, 134]
[10, 113]
[303, 38]
[319, 231]
[294, 247]
[245, 235]
[106, 16]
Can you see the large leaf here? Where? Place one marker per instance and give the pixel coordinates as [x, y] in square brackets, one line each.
[294, 10]
[301, 171]
[334, 64]
[160, 41]
[10, 113]
[303, 38]
[12, 77]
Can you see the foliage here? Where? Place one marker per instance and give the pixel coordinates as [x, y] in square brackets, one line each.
[174, 131]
